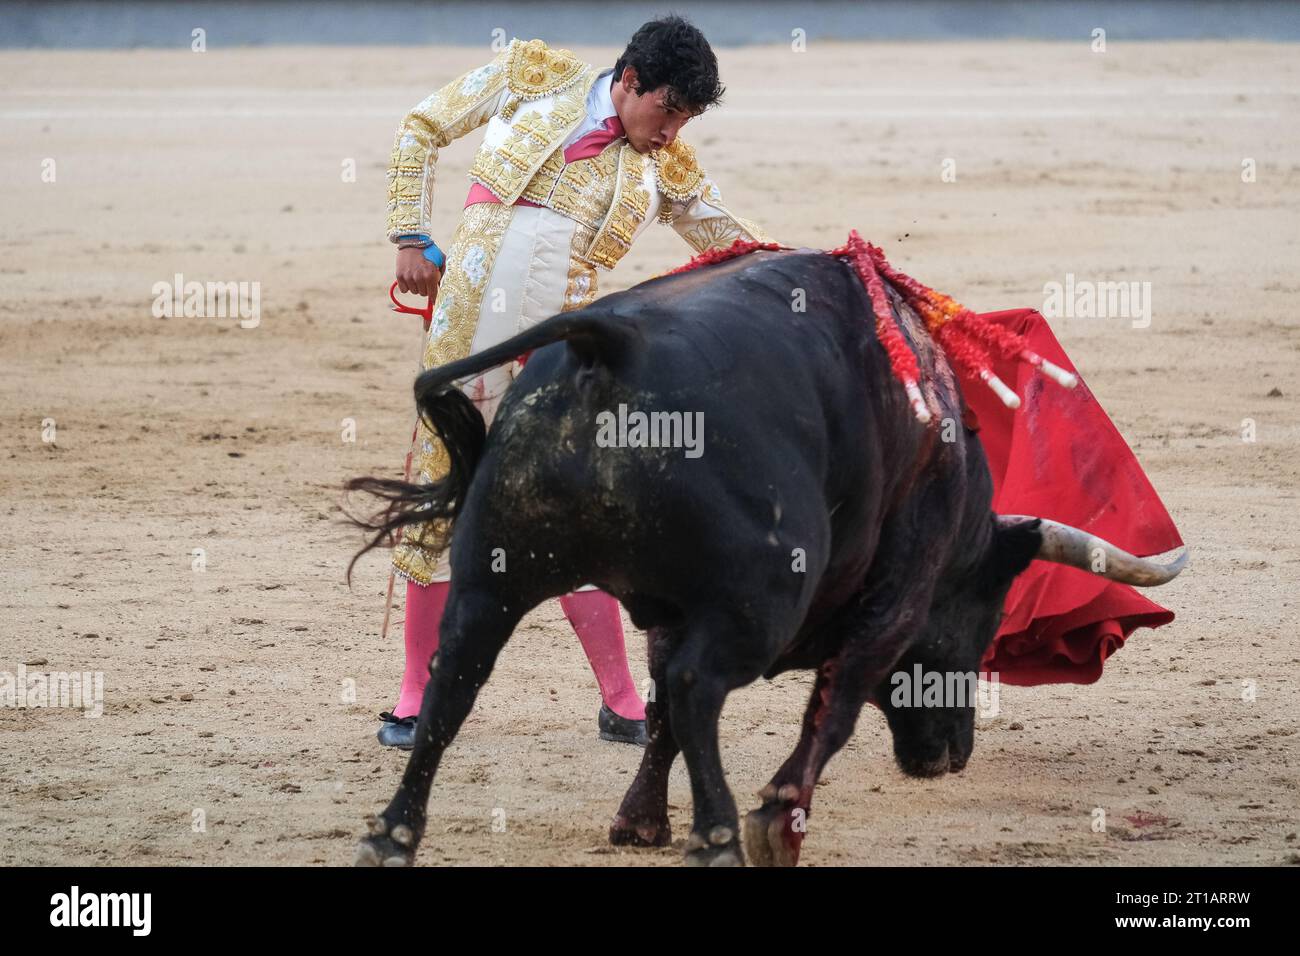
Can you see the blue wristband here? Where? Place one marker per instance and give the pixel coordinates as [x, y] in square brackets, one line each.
[435, 255]
[431, 251]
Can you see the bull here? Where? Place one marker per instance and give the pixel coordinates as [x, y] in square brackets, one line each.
[823, 527]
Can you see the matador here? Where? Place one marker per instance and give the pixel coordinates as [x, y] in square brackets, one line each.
[575, 163]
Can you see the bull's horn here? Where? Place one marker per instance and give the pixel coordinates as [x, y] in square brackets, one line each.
[1063, 544]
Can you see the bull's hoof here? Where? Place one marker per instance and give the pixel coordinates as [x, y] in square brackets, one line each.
[385, 846]
[720, 848]
[770, 836]
[625, 832]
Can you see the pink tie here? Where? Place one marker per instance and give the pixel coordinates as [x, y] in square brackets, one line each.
[591, 144]
[584, 147]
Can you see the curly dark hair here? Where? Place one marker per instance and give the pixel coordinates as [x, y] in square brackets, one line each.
[671, 52]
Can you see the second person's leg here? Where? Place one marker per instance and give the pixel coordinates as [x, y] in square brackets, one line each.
[596, 620]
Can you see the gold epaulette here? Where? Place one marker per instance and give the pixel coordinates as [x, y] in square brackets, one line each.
[535, 70]
[677, 173]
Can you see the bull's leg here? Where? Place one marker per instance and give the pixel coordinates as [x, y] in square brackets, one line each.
[476, 625]
[642, 818]
[774, 833]
[874, 639]
[696, 696]
[719, 654]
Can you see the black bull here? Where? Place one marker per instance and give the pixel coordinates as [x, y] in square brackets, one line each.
[822, 527]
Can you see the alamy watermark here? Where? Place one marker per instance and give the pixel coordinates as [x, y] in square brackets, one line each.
[651, 430]
[1085, 299]
[921, 688]
[83, 690]
[75, 908]
[208, 300]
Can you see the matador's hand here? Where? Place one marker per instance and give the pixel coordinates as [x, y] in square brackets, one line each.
[416, 273]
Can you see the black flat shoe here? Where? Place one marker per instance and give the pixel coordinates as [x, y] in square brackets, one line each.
[621, 729]
[397, 732]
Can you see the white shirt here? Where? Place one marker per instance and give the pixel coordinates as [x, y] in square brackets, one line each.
[600, 106]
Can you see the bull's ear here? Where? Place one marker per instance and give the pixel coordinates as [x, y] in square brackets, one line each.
[1012, 548]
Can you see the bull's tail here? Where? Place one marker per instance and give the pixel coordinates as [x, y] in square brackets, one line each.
[594, 339]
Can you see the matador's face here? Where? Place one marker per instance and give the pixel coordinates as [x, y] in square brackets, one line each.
[650, 120]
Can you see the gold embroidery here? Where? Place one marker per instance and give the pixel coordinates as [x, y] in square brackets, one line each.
[469, 264]
[447, 114]
[677, 174]
[626, 213]
[536, 70]
[748, 229]
[508, 168]
[718, 232]
[581, 190]
[706, 223]
[455, 317]
[581, 288]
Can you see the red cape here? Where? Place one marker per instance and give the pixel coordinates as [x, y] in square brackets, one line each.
[1059, 456]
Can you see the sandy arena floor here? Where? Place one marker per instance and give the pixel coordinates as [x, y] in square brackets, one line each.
[224, 689]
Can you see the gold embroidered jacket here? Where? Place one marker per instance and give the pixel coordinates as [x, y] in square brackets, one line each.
[531, 97]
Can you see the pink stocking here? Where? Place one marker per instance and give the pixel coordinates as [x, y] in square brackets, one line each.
[594, 616]
[424, 607]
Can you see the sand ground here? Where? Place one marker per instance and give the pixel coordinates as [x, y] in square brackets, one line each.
[225, 689]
